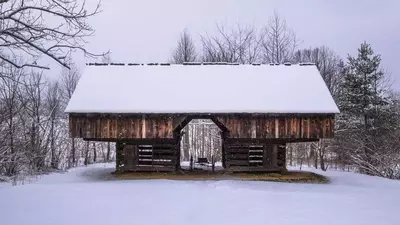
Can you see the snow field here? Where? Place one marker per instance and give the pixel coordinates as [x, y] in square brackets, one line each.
[91, 196]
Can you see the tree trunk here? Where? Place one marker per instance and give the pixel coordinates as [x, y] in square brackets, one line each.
[108, 151]
[367, 153]
[73, 152]
[86, 162]
[11, 166]
[186, 145]
[316, 151]
[52, 144]
[33, 149]
[322, 161]
[94, 153]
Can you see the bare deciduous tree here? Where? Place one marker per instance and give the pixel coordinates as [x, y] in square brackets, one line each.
[34, 87]
[106, 58]
[53, 109]
[25, 29]
[240, 44]
[329, 64]
[185, 51]
[69, 80]
[279, 42]
[33, 128]
[11, 106]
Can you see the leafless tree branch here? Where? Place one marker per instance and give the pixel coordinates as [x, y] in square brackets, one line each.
[185, 51]
[25, 29]
[279, 42]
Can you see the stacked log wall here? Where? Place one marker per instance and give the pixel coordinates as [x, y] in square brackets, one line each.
[148, 158]
[248, 157]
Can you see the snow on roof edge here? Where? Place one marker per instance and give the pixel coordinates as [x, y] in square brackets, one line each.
[263, 109]
[198, 112]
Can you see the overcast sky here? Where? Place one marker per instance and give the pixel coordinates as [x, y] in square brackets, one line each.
[147, 30]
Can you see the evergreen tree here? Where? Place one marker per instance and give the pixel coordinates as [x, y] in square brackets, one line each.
[363, 104]
[362, 91]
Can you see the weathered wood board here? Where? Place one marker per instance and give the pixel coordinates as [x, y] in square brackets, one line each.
[267, 127]
[116, 127]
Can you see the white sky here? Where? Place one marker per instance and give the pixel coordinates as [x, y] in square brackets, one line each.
[147, 30]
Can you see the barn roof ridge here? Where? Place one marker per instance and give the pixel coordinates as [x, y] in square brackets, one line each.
[200, 64]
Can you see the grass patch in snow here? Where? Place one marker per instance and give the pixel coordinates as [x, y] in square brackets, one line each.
[289, 176]
[169, 176]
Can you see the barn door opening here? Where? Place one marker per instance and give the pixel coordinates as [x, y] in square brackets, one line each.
[201, 145]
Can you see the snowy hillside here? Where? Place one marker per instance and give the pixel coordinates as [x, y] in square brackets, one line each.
[88, 196]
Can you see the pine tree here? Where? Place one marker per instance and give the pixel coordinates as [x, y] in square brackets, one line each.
[362, 94]
[361, 103]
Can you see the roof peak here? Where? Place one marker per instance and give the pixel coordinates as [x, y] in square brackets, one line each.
[201, 64]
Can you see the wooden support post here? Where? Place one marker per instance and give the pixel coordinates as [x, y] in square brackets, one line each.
[128, 158]
[191, 163]
[267, 149]
[131, 157]
[223, 150]
[213, 163]
[178, 156]
[274, 155]
[119, 158]
[135, 156]
[177, 149]
[281, 156]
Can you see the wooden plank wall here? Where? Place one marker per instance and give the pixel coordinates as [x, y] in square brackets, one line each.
[280, 127]
[238, 126]
[121, 128]
[119, 157]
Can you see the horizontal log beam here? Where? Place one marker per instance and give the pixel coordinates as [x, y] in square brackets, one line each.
[268, 141]
[135, 141]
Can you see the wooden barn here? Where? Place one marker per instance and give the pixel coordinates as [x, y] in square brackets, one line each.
[259, 109]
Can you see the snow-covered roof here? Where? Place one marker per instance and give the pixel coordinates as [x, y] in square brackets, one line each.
[201, 89]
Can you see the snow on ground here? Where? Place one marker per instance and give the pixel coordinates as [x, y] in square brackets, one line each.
[90, 196]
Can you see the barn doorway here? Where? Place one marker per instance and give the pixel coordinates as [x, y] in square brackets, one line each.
[201, 145]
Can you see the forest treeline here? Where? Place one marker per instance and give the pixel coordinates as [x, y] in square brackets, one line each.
[34, 128]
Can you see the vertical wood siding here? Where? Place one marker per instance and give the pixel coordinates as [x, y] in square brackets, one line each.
[282, 127]
[150, 127]
[120, 128]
